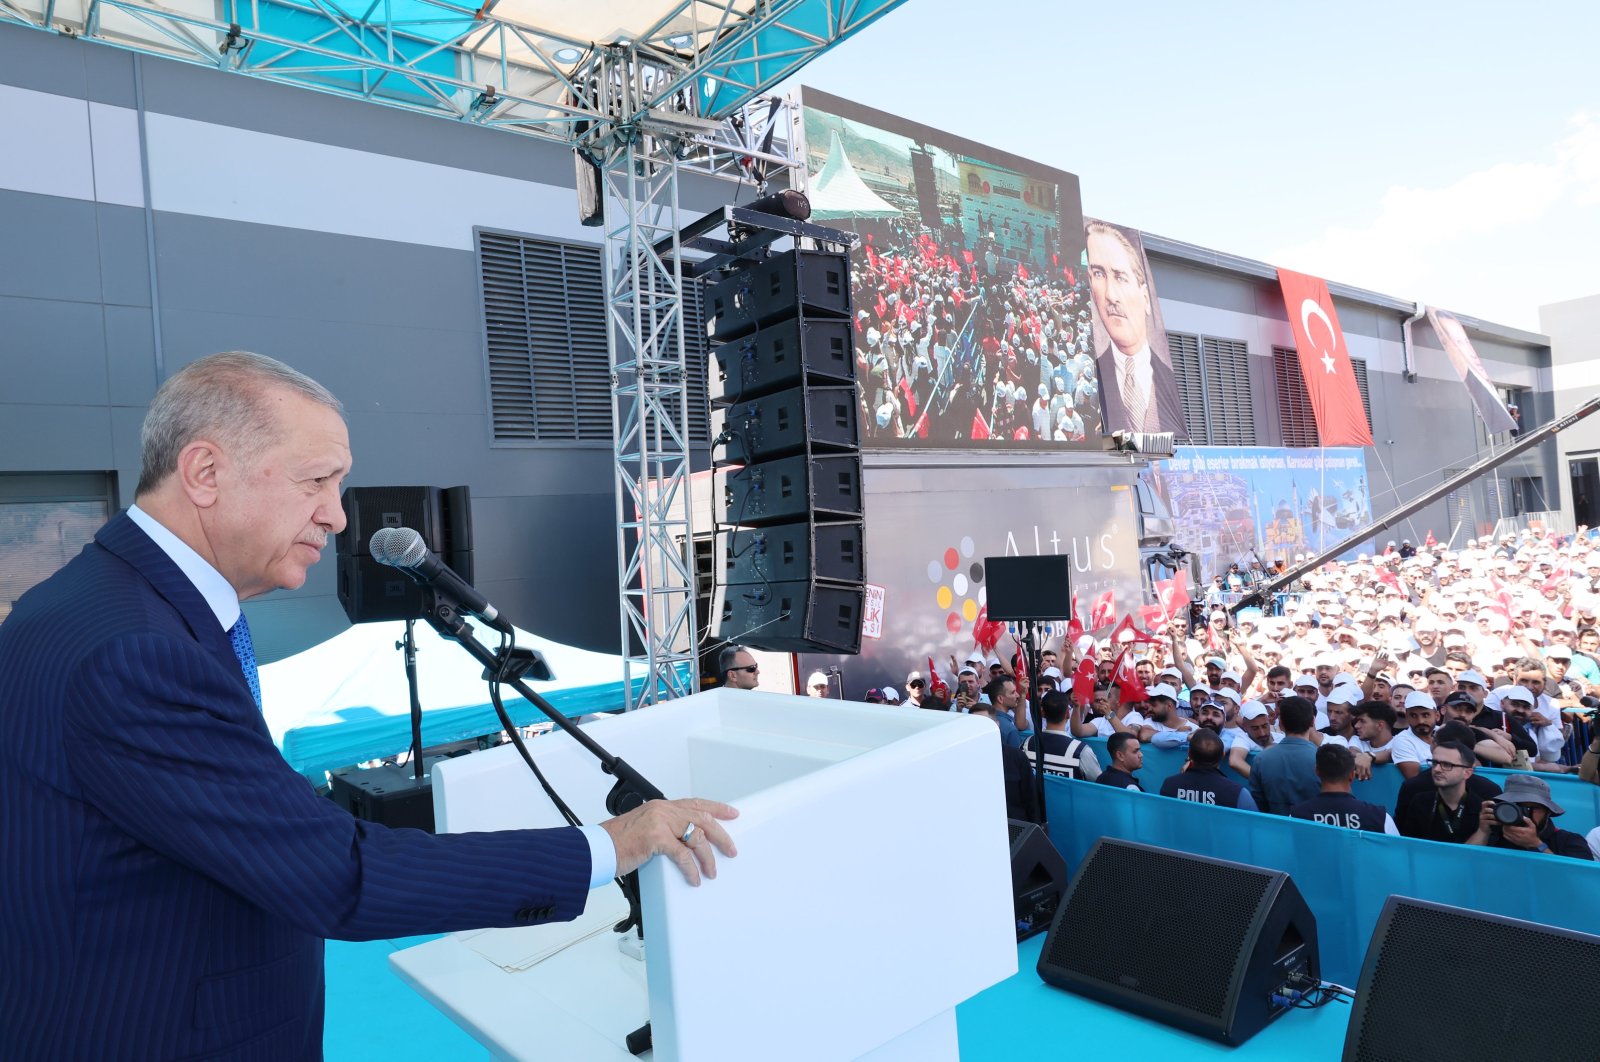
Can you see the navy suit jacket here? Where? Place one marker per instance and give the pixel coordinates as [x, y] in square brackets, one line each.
[166, 879]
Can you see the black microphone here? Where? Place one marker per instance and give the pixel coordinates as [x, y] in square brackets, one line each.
[403, 548]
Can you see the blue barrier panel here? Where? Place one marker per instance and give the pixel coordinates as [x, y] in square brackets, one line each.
[1344, 875]
[1580, 799]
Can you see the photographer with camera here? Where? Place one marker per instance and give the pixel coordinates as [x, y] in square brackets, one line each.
[1523, 817]
[1589, 766]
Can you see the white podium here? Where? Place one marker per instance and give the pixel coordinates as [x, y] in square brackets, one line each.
[871, 893]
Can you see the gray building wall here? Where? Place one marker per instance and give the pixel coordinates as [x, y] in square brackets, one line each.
[332, 234]
[153, 212]
[1574, 330]
[1422, 430]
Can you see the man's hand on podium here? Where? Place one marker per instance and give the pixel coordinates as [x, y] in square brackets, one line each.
[659, 826]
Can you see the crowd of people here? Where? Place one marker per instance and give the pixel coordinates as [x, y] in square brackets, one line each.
[1432, 663]
[1016, 339]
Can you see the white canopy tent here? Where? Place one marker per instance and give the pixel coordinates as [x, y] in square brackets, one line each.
[346, 700]
[838, 192]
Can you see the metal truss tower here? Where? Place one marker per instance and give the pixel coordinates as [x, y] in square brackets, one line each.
[681, 94]
[639, 167]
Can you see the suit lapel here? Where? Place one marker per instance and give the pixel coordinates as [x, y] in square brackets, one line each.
[124, 538]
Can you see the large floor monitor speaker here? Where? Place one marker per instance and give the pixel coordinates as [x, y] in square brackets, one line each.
[372, 592]
[1214, 974]
[1038, 876]
[1532, 993]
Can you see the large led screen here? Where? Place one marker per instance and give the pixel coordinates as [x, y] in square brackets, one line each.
[973, 320]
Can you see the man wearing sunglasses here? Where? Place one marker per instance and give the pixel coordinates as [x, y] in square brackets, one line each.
[739, 669]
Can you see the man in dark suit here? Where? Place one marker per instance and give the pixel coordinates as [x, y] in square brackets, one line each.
[168, 879]
[1139, 388]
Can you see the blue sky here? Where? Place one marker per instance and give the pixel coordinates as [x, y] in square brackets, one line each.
[1443, 152]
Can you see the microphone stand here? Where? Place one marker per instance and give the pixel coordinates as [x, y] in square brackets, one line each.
[1035, 706]
[409, 644]
[630, 791]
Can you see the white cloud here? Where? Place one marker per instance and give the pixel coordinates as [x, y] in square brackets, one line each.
[1496, 243]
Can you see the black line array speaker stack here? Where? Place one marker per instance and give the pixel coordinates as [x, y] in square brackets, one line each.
[790, 552]
[372, 592]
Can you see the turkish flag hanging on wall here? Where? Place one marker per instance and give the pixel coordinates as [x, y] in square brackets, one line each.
[1324, 361]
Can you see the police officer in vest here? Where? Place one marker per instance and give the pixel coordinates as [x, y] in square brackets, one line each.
[1064, 755]
[1202, 782]
[1335, 805]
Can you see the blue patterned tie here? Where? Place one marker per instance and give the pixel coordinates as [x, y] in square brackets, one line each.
[245, 650]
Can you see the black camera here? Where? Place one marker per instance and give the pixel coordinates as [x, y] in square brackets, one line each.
[1507, 813]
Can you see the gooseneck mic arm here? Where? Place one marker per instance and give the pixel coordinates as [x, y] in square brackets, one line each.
[450, 596]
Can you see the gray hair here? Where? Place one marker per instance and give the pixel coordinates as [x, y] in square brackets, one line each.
[218, 397]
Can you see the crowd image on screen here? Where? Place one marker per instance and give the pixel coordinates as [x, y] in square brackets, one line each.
[983, 339]
[1419, 666]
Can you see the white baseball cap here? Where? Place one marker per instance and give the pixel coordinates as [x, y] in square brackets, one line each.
[1418, 699]
[1161, 689]
[816, 678]
[1253, 710]
[1473, 677]
[1515, 693]
[1302, 681]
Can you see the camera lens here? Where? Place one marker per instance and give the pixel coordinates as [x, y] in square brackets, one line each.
[1507, 814]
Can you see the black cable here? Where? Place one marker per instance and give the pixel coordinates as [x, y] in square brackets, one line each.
[507, 644]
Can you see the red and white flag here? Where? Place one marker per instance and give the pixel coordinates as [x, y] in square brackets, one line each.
[1173, 596]
[1103, 611]
[1324, 361]
[1127, 679]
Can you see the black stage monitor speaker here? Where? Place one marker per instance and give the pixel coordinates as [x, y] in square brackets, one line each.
[372, 592]
[1213, 973]
[1038, 875]
[1531, 993]
[798, 551]
[786, 355]
[766, 292]
[1029, 588]
[791, 488]
[797, 617]
[387, 794]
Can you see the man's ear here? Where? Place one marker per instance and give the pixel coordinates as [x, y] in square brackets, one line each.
[198, 472]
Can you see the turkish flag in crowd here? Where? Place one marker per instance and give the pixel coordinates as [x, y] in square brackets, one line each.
[1127, 679]
[1083, 681]
[1173, 595]
[1127, 627]
[1103, 612]
[1324, 361]
[986, 632]
[935, 683]
[980, 430]
[1153, 617]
